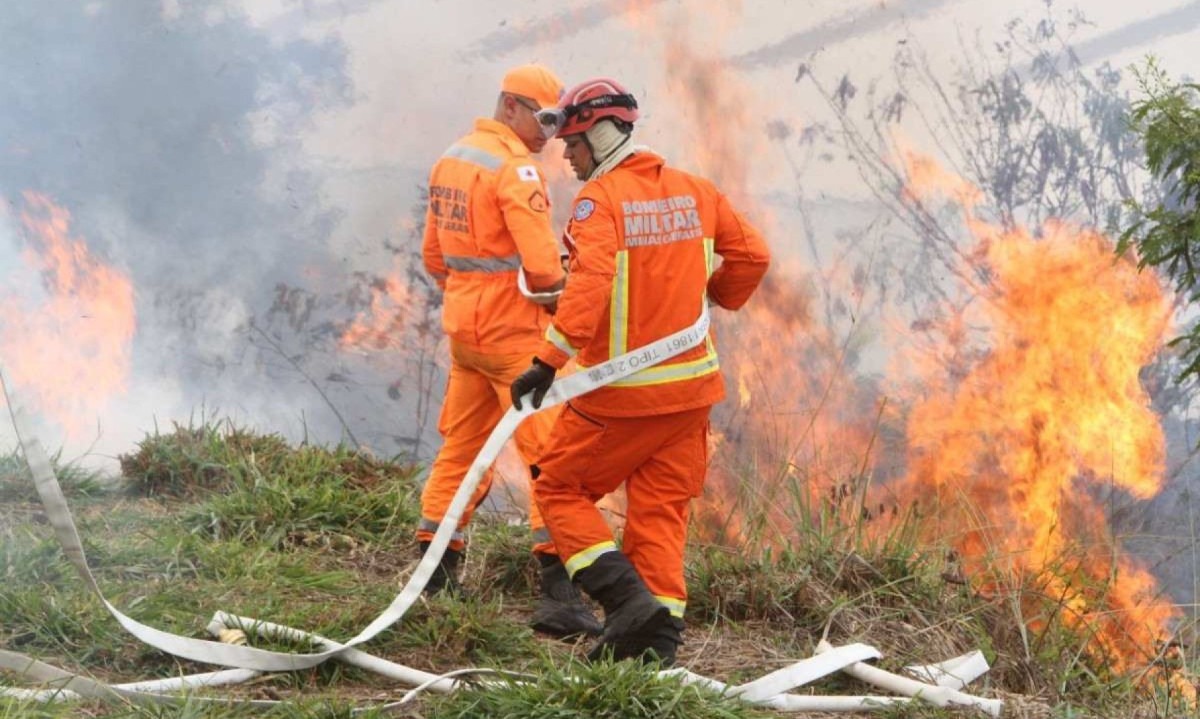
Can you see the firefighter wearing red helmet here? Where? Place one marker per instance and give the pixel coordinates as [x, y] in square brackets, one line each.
[643, 238]
[577, 118]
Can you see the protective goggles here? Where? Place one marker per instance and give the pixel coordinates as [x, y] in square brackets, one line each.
[552, 119]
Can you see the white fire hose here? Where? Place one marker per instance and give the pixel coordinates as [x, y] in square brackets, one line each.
[250, 661]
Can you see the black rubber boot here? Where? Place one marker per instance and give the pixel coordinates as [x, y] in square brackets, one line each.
[632, 616]
[560, 611]
[445, 574]
[664, 644]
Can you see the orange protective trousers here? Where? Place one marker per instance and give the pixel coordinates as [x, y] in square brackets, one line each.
[661, 458]
[477, 397]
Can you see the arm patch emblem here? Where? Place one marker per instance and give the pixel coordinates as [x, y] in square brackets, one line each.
[537, 201]
[528, 173]
[584, 209]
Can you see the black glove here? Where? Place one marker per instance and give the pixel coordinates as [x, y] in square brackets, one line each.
[537, 379]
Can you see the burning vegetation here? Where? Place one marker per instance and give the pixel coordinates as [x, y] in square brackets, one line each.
[1012, 410]
[1007, 419]
[66, 341]
[1013, 447]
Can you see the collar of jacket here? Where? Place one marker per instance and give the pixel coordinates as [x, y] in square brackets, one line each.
[505, 133]
[643, 159]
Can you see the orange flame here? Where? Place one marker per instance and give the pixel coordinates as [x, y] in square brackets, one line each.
[67, 349]
[1013, 441]
[808, 436]
[381, 326]
[1027, 407]
[1049, 408]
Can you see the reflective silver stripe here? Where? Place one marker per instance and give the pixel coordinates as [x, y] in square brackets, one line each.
[557, 339]
[618, 327]
[675, 605]
[428, 525]
[482, 264]
[541, 536]
[475, 156]
[584, 559]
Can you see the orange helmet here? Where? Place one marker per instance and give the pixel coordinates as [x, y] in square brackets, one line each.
[586, 103]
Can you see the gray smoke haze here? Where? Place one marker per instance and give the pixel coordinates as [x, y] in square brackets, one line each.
[1140, 33]
[171, 138]
[118, 107]
[851, 24]
[257, 171]
[561, 25]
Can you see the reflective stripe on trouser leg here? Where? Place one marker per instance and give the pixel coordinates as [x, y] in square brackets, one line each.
[587, 557]
[676, 605]
[659, 494]
[426, 528]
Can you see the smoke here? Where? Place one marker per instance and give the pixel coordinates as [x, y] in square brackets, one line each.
[1146, 31]
[562, 25]
[852, 24]
[174, 124]
[256, 171]
[169, 132]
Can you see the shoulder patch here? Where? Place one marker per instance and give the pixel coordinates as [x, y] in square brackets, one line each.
[537, 201]
[584, 209]
[528, 173]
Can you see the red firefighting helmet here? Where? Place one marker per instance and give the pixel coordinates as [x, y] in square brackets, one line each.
[584, 104]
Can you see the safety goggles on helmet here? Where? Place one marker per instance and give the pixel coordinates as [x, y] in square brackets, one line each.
[552, 119]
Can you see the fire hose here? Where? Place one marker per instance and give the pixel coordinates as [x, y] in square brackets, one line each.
[249, 661]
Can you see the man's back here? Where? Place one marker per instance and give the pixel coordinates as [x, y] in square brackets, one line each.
[661, 227]
[488, 215]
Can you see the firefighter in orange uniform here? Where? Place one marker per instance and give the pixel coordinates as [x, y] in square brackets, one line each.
[642, 239]
[489, 244]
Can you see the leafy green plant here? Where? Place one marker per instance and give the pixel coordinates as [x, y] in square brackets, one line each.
[1166, 234]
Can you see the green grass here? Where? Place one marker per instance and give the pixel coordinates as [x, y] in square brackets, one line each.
[197, 457]
[17, 487]
[605, 690]
[214, 517]
[316, 498]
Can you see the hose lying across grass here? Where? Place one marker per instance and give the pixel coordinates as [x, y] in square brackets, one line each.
[248, 661]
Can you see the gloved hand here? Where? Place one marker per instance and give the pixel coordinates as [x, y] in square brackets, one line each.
[537, 379]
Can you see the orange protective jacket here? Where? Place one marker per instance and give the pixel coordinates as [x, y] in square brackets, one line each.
[642, 240]
[489, 215]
